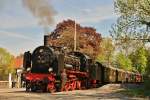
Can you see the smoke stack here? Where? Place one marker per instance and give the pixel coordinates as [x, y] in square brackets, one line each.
[46, 40]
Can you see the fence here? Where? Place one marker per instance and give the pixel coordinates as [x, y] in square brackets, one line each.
[4, 84]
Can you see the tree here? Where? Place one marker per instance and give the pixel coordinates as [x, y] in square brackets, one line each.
[140, 9]
[106, 50]
[139, 59]
[123, 62]
[130, 26]
[18, 61]
[88, 40]
[133, 23]
[6, 64]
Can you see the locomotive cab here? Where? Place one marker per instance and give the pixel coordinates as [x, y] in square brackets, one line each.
[85, 61]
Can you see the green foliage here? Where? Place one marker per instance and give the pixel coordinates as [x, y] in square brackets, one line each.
[146, 83]
[6, 64]
[132, 25]
[106, 51]
[138, 8]
[136, 92]
[134, 15]
[130, 29]
[123, 62]
[147, 72]
[148, 62]
[139, 59]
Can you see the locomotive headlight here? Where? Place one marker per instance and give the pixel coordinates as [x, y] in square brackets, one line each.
[50, 69]
[28, 69]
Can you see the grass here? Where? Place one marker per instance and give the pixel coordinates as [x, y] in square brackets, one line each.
[143, 90]
[137, 92]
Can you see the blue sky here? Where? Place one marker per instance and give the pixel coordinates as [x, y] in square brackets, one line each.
[20, 31]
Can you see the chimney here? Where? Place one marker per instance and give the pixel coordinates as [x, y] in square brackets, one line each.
[46, 40]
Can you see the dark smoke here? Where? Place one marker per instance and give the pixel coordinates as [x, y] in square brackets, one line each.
[42, 10]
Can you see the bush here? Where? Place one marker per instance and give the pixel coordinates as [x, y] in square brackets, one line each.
[146, 85]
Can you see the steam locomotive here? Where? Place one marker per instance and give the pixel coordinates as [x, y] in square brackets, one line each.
[50, 69]
[44, 66]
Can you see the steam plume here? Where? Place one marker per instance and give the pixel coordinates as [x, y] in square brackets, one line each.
[42, 10]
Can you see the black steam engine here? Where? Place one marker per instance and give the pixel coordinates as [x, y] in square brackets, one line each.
[50, 68]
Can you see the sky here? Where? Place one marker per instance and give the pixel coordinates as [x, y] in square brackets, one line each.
[20, 30]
